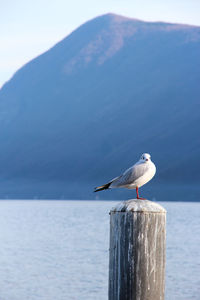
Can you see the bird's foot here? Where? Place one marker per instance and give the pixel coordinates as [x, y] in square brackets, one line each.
[141, 198]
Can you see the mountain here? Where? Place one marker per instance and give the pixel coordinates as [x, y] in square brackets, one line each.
[84, 111]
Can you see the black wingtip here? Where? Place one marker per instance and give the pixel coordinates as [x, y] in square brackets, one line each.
[102, 187]
[97, 189]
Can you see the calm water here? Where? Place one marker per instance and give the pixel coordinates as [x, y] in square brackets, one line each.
[58, 250]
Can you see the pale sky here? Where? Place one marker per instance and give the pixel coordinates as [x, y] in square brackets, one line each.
[30, 27]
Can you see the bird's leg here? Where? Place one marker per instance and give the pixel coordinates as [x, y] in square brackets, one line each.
[138, 194]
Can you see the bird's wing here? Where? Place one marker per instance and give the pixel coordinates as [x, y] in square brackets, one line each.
[130, 175]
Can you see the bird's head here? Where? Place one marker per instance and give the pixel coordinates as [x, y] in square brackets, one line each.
[145, 157]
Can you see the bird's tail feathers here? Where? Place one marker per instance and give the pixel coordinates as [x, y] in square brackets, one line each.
[102, 187]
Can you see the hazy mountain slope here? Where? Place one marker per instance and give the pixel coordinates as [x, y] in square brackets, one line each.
[83, 111]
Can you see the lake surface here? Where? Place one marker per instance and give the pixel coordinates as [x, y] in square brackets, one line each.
[58, 250]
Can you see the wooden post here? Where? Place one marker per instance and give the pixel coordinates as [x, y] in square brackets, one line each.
[137, 251]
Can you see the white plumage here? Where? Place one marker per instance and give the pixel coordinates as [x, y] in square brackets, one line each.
[133, 178]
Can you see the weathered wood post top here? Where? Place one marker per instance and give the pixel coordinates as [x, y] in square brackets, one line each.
[136, 205]
[137, 251]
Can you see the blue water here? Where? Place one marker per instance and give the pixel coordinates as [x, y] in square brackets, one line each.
[58, 250]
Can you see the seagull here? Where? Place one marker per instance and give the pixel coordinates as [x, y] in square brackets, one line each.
[134, 177]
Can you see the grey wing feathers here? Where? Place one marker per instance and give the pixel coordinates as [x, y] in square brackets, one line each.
[129, 176]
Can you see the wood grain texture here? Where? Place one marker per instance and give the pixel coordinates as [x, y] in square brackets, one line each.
[137, 251]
